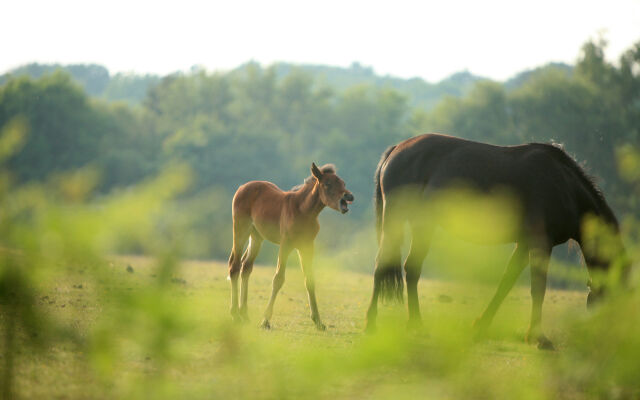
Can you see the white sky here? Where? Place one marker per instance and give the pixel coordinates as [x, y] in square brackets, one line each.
[428, 39]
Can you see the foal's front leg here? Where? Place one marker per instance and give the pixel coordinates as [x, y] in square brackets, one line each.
[278, 281]
[306, 262]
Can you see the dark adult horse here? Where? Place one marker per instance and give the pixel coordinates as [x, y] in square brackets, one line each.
[262, 211]
[553, 194]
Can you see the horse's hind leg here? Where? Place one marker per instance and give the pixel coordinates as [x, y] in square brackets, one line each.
[539, 260]
[387, 277]
[420, 241]
[516, 264]
[255, 243]
[241, 230]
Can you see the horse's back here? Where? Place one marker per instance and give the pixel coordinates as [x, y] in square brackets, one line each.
[438, 160]
[533, 173]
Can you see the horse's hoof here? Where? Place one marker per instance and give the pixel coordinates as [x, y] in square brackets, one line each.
[480, 324]
[414, 325]
[545, 344]
[370, 329]
[265, 324]
[480, 327]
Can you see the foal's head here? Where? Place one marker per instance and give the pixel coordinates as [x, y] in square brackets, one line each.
[333, 192]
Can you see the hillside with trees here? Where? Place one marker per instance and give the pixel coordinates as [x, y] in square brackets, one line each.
[271, 122]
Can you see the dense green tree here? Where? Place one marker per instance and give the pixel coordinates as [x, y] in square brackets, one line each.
[481, 115]
[129, 88]
[67, 130]
[61, 128]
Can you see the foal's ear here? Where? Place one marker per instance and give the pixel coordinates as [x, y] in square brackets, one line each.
[316, 171]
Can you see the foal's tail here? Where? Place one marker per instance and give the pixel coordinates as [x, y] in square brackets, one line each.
[388, 277]
[377, 199]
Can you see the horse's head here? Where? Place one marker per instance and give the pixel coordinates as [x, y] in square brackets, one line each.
[608, 263]
[605, 277]
[333, 192]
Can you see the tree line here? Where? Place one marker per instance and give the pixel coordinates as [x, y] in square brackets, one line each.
[262, 123]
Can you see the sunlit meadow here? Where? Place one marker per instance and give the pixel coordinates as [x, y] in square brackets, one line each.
[80, 320]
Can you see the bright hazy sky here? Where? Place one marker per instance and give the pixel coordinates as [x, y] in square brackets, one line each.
[428, 39]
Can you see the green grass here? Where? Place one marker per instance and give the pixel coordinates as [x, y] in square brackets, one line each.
[142, 339]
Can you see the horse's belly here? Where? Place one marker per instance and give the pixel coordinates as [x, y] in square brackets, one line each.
[482, 236]
[473, 216]
[483, 228]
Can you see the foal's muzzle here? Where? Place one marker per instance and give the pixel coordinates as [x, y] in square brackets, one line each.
[344, 202]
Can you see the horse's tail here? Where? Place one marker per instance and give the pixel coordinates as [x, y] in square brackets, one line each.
[388, 277]
[377, 199]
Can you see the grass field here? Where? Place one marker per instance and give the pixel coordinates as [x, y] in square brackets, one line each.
[142, 339]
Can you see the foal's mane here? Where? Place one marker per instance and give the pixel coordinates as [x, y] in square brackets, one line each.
[559, 154]
[324, 169]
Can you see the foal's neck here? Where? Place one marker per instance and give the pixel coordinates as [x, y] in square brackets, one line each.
[308, 199]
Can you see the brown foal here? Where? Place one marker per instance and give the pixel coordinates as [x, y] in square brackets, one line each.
[262, 211]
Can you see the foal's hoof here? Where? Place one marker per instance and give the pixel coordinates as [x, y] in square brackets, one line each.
[319, 325]
[235, 317]
[265, 324]
[244, 317]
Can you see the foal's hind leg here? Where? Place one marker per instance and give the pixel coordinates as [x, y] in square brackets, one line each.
[241, 229]
[255, 243]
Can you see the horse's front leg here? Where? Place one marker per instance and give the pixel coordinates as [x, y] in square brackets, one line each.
[278, 281]
[516, 264]
[539, 260]
[306, 262]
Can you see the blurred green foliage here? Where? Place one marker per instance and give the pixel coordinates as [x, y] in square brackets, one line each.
[83, 179]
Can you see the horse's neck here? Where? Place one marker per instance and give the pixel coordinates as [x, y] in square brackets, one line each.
[308, 199]
[597, 206]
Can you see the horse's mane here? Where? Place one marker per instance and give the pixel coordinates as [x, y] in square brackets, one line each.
[324, 169]
[559, 154]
